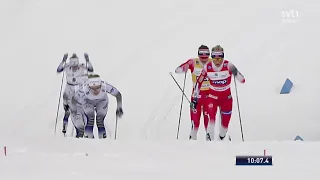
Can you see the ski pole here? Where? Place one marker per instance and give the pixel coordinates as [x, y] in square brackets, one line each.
[184, 83]
[235, 83]
[179, 87]
[55, 126]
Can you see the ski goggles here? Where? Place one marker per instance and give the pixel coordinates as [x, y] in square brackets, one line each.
[203, 53]
[217, 54]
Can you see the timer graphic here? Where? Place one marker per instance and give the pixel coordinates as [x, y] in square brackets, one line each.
[253, 160]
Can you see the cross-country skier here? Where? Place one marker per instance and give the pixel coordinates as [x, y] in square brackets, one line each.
[219, 72]
[195, 65]
[76, 73]
[93, 97]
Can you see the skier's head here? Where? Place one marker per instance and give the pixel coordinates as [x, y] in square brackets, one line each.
[217, 55]
[94, 83]
[74, 60]
[203, 53]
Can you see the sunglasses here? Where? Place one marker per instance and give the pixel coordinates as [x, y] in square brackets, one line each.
[217, 59]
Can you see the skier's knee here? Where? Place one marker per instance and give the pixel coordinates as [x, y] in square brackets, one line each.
[100, 122]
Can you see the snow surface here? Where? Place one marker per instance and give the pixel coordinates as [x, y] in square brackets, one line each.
[134, 45]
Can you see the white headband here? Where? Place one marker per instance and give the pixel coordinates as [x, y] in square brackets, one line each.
[94, 81]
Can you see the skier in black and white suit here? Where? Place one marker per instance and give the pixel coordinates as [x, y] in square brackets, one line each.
[76, 74]
[93, 97]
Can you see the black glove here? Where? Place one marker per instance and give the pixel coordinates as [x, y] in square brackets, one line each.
[86, 56]
[65, 56]
[119, 112]
[66, 107]
[194, 103]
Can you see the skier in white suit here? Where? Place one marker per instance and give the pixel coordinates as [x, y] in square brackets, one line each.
[76, 74]
[92, 96]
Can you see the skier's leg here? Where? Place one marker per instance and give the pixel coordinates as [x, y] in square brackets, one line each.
[78, 119]
[211, 113]
[102, 109]
[204, 103]
[205, 114]
[66, 107]
[226, 112]
[89, 114]
[195, 115]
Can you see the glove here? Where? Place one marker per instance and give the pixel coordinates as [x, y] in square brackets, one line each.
[86, 56]
[119, 112]
[65, 56]
[194, 103]
[66, 107]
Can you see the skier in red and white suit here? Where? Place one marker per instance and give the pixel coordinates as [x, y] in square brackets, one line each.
[219, 72]
[196, 65]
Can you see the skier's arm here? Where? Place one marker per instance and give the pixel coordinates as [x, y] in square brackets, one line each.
[197, 87]
[234, 71]
[183, 68]
[89, 66]
[61, 65]
[119, 100]
[88, 63]
[114, 92]
[119, 111]
[199, 82]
